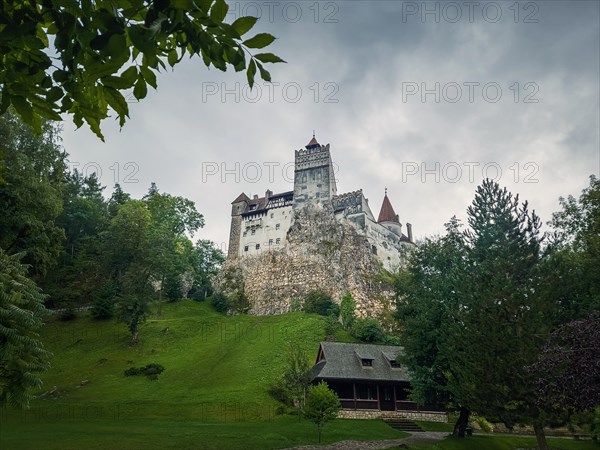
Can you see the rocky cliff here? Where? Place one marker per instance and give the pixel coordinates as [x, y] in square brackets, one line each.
[321, 254]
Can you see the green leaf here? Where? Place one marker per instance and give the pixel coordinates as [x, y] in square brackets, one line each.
[116, 82]
[251, 72]
[24, 109]
[259, 41]
[140, 89]
[118, 103]
[172, 57]
[268, 58]
[186, 5]
[54, 94]
[130, 75]
[264, 74]
[218, 11]
[149, 76]
[244, 24]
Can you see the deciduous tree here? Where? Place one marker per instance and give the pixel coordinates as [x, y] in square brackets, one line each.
[81, 57]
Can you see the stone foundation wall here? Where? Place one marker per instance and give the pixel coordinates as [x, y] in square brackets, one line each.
[321, 254]
[427, 416]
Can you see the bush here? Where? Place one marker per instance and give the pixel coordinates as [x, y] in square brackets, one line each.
[220, 302]
[368, 330]
[279, 392]
[320, 303]
[484, 424]
[331, 326]
[152, 371]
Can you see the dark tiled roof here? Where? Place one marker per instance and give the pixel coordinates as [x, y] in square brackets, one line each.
[241, 198]
[387, 213]
[343, 361]
[265, 203]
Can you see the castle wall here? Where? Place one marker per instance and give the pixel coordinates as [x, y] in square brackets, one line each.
[266, 229]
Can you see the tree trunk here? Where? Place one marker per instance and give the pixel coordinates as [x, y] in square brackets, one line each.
[541, 437]
[134, 337]
[462, 422]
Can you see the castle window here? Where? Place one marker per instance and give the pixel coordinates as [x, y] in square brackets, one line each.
[278, 241]
[270, 241]
[257, 246]
[272, 215]
[277, 226]
[245, 233]
[318, 194]
[253, 232]
[245, 248]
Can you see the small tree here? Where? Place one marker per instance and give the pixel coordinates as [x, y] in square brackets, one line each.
[347, 308]
[322, 405]
[297, 375]
[133, 311]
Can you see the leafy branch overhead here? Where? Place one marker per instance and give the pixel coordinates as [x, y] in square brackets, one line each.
[103, 49]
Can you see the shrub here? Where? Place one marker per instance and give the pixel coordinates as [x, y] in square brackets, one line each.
[152, 371]
[320, 303]
[484, 424]
[220, 302]
[331, 326]
[368, 330]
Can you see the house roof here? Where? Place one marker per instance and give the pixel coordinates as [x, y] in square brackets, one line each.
[387, 213]
[339, 360]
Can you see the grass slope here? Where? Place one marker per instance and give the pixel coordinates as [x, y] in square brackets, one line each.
[212, 394]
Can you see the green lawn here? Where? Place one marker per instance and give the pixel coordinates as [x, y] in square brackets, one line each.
[212, 394]
[495, 442]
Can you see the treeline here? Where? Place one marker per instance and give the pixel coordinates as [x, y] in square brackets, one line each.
[502, 320]
[84, 250]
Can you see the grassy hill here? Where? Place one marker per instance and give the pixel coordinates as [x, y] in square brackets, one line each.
[212, 394]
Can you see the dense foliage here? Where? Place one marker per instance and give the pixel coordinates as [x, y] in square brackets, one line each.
[80, 57]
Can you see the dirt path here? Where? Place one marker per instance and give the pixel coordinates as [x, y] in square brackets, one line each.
[427, 437]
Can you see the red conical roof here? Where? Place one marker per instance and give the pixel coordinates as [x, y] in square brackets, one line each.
[313, 142]
[387, 213]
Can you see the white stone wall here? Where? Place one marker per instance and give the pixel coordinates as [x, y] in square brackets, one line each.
[262, 229]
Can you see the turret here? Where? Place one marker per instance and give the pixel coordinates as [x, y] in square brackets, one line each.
[238, 206]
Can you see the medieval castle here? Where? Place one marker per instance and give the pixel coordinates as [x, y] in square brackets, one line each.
[262, 224]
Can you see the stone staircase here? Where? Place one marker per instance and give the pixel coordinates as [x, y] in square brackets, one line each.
[404, 425]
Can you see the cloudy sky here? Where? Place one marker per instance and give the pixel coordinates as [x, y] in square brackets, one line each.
[424, 98]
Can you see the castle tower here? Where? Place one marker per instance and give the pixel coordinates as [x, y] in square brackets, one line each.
[238, 206]
[388, 217]
[314, 179]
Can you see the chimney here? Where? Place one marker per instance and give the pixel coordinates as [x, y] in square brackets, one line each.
[268, 194]
[409, 231]
[255, 196]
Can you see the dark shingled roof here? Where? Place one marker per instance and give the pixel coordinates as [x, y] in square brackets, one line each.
[387, 213]
[339, 360]
[241, 198]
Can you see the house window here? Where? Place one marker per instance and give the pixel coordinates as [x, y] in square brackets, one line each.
[394, 364]
[277, 226]
[245, 248]
[257, 246]
[278, 241]
[367, 362]
[253, 232]
[270, 241]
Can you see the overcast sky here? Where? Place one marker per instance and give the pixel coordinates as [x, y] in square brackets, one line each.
[424, 98]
